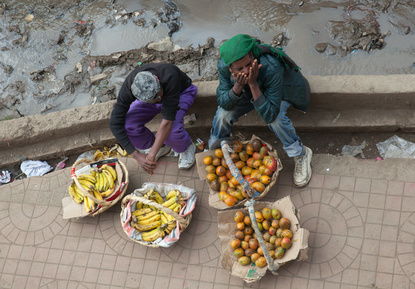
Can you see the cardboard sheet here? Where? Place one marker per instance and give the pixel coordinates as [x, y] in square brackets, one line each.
[251, 273]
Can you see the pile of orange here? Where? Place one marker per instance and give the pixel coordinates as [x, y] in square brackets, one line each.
[274, 229]
[253, 161]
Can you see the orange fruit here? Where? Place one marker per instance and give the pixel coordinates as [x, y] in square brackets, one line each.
[235, 243]
[259, 217]
[240, 226]
[265, 179]
[208, 160]
[218, 153]
[247, 220]
[231, 201]
[236, 146]
[222, 195]
[210, 169]
[220, 171]
[239, 216]
[216, 162]
[211, 177]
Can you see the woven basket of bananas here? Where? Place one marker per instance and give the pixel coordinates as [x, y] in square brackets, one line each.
[95, 187]
[157, 214]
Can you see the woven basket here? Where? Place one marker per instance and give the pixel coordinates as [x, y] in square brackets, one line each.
[238, 175]
[121, 182]
[184, 221]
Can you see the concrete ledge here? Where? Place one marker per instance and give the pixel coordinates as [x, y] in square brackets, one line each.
[339, 103]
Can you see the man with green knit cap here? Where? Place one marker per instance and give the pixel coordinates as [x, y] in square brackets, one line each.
[256, 76]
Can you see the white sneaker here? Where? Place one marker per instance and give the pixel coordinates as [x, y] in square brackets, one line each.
[302, 170]
[164, 150]
[187, 158]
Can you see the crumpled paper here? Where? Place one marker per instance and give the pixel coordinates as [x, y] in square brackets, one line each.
[354, 150]
[396, 147]
[5, 177]
[35, 168]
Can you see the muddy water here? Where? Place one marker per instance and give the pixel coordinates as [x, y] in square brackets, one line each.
[57, 39]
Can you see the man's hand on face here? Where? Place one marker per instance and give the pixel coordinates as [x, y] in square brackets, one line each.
[241, 78]
[254, 72]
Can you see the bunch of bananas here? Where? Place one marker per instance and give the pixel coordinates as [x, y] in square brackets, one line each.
[99, 183]
[107, 152]
[152, 222]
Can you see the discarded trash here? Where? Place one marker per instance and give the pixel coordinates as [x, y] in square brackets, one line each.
[5, 177]
[396, 147]
[336, 118]
[189, 119]
[35, 168]
[354, 150]
[98, 77]
[79, 67]
[61, 164]
[29, 17]
[200, 144]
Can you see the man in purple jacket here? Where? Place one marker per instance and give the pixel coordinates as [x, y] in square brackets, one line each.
[147, 91]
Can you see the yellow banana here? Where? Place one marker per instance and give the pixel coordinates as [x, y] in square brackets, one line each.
[147, 227]
[140, 212]
[77, 198]
[148, 218]
[87, 185]
[169, 217]
[98, 155]
[100, 182]
[140, 206]
[169, 202]
[153, 235]
[157, 198]
[173, 193]
[93, 173]
[87, 177]
[92, 204]
[108, 192]
[78, 191]
[164, 219]
[86, 205]
[109, 178]
[111, 170]
[170, 227]
[98, 195]
[148, 194]
[105, 181]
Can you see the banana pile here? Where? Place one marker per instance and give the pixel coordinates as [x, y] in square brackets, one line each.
[152, 222]
[100, 183]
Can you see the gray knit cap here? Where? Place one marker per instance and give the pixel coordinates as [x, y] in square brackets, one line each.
[145, 86]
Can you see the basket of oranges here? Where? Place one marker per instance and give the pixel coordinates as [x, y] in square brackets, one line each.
[238, 171]
[278, 239]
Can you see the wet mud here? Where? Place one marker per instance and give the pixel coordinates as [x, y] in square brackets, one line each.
[97, 78]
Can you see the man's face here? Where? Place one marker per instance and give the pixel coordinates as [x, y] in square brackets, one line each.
[242, 65]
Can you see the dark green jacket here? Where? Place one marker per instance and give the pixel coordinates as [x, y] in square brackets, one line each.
[276, 83]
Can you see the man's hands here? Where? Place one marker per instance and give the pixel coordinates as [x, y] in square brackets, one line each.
[242, 79]
[148, 163]
[253, 73]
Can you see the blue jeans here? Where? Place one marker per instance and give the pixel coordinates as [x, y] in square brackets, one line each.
[281, 126]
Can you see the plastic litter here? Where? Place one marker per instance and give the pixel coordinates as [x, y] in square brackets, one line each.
[354, 150]
[35, 168]
[396, 147]
[189, 119]
[5, 177]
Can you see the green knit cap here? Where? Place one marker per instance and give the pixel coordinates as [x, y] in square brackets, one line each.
[237, 47]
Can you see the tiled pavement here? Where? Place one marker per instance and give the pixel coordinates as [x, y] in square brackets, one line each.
[362, 233]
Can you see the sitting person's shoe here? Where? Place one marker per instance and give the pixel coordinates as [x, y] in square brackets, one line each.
[187, 158]
[302, 170]
[164, 150]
